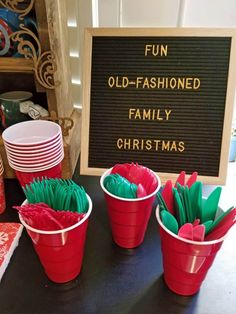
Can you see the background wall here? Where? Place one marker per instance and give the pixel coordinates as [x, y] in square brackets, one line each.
[139, 13]
[79, 16]
[167, 13]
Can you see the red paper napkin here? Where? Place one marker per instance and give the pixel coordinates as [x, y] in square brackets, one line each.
[9, 237]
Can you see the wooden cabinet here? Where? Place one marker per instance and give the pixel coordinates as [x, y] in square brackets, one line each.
[44, 71]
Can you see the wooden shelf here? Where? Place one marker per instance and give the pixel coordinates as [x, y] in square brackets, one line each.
[16, 65]
[51, 73]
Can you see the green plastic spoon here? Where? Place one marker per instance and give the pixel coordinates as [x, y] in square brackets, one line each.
[120, 186]
[210, 205]
[169, 221]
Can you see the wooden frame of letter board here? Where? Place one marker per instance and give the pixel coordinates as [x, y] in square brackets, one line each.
[147, 32]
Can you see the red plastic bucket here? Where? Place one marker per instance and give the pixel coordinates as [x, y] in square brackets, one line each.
[129, 217]
[185, 262]
[28, 177]
[61, 252]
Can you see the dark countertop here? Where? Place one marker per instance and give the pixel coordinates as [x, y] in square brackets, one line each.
[113, 280]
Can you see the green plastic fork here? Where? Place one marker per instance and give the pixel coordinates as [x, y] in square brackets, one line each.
[59, 194]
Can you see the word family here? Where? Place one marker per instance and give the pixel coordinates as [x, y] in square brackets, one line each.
[149, 114]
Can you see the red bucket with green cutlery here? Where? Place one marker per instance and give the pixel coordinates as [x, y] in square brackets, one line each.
[130, 192]
[61, 251]
[192, 230]
[56, 216]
